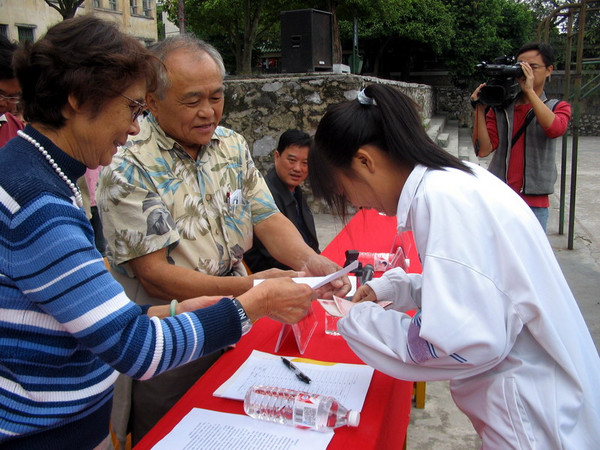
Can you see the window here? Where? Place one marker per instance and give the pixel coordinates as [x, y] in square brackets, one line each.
[26, 33]
[147, 8]
[4, 30]
[112, 4]
[97, 4]
[133, 6]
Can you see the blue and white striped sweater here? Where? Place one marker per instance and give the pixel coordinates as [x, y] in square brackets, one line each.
[65, 323]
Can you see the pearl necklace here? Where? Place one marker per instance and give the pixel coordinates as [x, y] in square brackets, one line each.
[57, 169]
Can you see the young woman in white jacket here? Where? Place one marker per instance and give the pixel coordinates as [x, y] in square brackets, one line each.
[495, 315]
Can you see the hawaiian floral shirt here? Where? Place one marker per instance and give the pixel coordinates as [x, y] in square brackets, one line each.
[154, 195]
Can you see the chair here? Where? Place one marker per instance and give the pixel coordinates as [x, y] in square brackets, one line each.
[419, 394]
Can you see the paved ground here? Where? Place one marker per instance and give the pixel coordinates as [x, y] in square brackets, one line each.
[441, 426]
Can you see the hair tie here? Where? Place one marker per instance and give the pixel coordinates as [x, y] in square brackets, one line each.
[364, 99]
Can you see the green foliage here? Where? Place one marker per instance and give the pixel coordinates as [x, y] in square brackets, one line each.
[485, 30]
[233, 26]
[160, 25]
[424, 21]
[553, 17]
[462, 33]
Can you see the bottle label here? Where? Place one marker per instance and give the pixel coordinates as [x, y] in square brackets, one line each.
[305, 410]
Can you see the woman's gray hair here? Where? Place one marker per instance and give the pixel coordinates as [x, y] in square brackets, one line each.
[188, 42]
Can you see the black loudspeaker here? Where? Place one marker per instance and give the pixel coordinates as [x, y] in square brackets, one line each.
[306, 44]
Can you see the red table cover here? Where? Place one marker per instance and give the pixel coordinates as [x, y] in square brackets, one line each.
[385, 415]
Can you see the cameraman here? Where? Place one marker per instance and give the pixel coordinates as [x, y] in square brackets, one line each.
[524, 159]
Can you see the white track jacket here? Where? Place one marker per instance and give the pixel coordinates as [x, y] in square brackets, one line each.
[495, 316]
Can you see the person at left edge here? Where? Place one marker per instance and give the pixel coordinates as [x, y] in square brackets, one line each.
[179, 205]
[284, 179]
[66, 326]
[10, 93]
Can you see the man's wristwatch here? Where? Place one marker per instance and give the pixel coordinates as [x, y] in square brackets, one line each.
[244, 320]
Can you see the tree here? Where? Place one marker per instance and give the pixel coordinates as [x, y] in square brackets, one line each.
[394, 34]
[398, 27]
[234, 24]
[343, 13]
[66, 8]
[485, 30]
[543, 8]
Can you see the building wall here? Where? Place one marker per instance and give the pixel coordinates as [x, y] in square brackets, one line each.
[41, 16]
[170, 27]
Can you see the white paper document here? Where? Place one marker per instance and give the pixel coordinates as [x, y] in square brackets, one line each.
[334, 276]
[212, 430]
[317, 282]
[348, 383]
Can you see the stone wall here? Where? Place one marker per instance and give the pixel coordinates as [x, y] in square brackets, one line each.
[262, 108]
[455, 103]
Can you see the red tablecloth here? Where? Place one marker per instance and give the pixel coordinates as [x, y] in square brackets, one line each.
[385, 415]
[369, 231]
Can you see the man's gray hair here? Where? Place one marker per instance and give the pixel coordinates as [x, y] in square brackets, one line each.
[187, 42]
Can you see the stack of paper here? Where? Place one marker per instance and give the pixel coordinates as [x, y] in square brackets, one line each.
[202, 429]
[208, 430]
[339, 307]
[348, 383]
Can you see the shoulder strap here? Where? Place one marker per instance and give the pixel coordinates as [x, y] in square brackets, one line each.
[527, 121]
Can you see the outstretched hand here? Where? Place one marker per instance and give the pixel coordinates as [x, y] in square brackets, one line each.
[364, 294]
[280, 299]
[318, 266]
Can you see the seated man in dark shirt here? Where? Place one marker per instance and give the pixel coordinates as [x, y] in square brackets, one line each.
[291, 169]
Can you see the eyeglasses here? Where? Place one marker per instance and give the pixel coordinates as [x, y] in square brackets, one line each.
[536, 66]
[139, 109]
[8, 99]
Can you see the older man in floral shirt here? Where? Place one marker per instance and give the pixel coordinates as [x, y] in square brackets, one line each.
[179, 205]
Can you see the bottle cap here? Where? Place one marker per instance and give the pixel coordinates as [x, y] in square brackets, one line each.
[353, 418]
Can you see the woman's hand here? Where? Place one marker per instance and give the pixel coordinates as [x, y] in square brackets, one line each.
[364, 294]
[280, 299]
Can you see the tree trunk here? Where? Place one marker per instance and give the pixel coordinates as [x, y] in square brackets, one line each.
[335, 33]
[66, 8]
[246, 66]
[379, 56]
[252, 12]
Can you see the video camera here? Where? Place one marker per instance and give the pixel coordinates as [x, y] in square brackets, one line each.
[501, 88]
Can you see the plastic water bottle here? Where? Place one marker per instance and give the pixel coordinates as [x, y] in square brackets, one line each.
[299, 409]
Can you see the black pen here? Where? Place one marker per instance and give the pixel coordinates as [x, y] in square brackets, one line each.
[302, 377]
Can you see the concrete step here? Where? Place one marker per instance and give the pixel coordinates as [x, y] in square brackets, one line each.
[457, 141]
[466, 151]
[443, 139]
[451, 138]
[434, 126]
